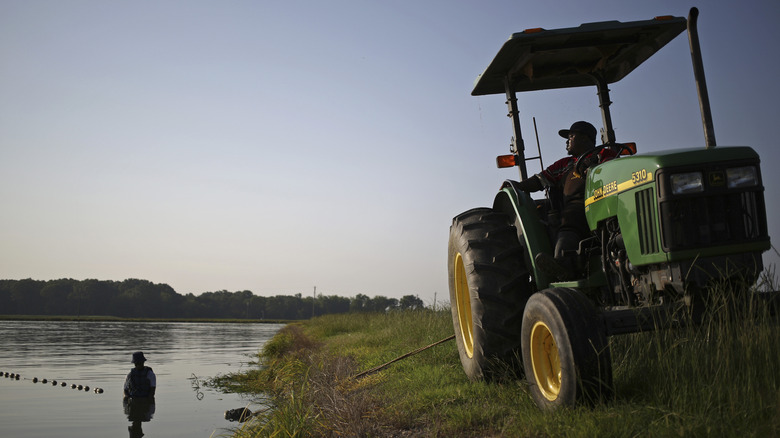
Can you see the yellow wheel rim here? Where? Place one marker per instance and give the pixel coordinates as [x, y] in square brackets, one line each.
[546, 364]
[463, 304]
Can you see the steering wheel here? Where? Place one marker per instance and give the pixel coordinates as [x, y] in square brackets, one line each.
[580, 165]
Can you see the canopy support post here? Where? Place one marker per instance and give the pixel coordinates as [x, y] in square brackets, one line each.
[518, 146]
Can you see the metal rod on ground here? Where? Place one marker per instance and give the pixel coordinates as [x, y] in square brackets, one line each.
[404, 356]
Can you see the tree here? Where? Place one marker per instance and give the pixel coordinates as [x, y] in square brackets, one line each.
[93, 297]
[26, 296]
[410, 302]
[359, 303]
[382, 304]
[141, 298]
[54, 296]
[328, 305]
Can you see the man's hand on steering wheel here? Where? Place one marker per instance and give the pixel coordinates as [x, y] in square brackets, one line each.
[585, 160]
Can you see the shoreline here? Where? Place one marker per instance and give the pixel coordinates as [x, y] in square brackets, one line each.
[101, 318]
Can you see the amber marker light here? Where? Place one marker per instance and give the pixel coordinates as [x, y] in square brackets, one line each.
[505, 161]
[534, 30]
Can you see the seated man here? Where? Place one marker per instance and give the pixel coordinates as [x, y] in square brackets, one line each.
[580, 138]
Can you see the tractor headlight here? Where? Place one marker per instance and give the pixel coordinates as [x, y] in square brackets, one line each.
[684, 183]
[742, 177]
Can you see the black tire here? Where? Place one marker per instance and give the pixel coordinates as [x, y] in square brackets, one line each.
[489, 286]
[565, 352]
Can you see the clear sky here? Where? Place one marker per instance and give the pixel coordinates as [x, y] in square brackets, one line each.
[275, 146]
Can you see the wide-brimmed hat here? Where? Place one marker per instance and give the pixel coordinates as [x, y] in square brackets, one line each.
[138, 356]
[580, 127]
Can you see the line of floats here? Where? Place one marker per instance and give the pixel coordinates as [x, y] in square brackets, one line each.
[15, 376]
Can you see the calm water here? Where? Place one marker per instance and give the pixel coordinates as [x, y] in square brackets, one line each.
[97, 354]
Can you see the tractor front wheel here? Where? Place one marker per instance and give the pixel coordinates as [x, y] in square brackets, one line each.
[565, 353]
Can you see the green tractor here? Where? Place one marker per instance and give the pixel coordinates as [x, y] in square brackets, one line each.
[662, 225]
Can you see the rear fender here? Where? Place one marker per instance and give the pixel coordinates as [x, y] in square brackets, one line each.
[531, 232]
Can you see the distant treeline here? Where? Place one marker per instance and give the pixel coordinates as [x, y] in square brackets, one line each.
[133, 298]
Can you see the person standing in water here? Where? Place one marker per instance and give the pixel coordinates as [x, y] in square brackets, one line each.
[141, 381]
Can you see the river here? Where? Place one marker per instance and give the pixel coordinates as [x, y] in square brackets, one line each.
[97, 355]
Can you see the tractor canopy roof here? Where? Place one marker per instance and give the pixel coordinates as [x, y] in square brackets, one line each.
[538, 59]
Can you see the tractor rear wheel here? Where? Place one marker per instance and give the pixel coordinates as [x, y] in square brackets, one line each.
[489, 286]
[565, 352]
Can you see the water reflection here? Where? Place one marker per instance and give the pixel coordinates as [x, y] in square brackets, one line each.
[196, 383]
[138, 410]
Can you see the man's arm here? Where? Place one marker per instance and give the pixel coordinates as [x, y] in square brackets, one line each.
[152, 382]
[532, 184]
[127, 386]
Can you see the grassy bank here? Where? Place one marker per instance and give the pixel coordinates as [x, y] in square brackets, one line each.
[721, 379]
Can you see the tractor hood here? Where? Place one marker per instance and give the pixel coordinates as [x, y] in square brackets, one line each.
[538, 59]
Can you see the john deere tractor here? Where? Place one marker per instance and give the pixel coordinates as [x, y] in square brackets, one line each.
[663, 225]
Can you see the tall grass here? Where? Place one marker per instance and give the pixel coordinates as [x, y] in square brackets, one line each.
[720, 378]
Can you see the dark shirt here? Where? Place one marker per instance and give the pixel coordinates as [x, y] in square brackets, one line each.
[139, 382]
[562, 174]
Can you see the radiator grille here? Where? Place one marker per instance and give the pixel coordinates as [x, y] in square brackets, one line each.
[646, 223]
[713, 220]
